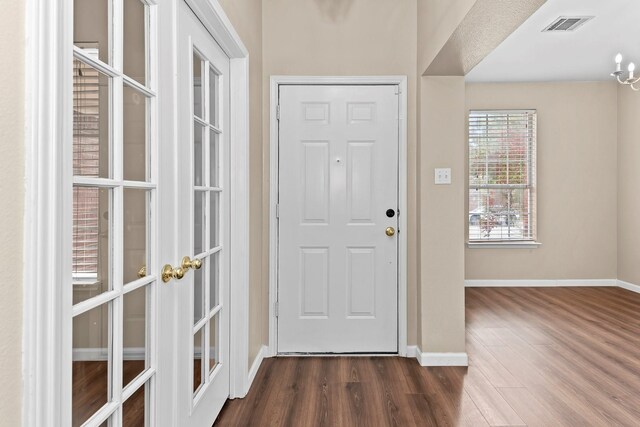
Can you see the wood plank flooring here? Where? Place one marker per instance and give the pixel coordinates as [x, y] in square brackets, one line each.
[538, 357]
[90, 391]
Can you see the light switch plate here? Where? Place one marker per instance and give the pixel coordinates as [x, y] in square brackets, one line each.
[442, 176]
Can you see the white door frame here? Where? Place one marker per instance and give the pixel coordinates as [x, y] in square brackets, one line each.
[276, 81]
[48, 180]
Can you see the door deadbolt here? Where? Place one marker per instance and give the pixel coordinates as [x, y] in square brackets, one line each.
[391, 213]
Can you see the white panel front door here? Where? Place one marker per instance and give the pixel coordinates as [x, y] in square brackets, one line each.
[203, 223]
[338, 194]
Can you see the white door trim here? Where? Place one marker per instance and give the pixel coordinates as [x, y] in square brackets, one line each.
[48, 94]
[276, 81]
[48, 106]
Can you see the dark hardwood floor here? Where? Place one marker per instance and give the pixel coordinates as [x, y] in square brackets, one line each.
[538, 357]
[90, 388]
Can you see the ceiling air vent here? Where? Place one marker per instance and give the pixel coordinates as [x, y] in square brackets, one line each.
[567, 23]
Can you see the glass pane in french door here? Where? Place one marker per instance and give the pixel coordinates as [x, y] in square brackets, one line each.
[92, 242]
[213, 342]
[134, 410]
[214, 156]
[207, 207]
[198, 355]
[135, 117]
[114, 271]
[197, 85]
[135, 39]
[135, 353]
[91, 133]
[199, 220]
[136, 234]
[92, 357]
[214, 99]
[91, 20]
[198, 293]
[214, 280]
[198, 154]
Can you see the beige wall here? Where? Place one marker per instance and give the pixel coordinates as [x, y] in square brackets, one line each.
[441, 227]
[628, 189]
[577, 179]
[440, 109]
[12, 210]
[246, 17]
[350, 37]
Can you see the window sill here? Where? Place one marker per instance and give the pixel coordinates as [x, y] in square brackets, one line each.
[503, 245]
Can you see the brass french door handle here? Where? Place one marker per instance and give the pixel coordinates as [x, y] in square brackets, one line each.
[142, 272]
[188, 263]
[390, 231]
[169, 273]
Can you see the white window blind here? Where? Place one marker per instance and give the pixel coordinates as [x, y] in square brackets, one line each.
[86, 162]
[502, 175]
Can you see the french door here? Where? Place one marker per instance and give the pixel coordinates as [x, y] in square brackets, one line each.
[150, 340]
[114, 265]
[203, 223]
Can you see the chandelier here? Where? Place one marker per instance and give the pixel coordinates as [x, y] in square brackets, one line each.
[631, 80]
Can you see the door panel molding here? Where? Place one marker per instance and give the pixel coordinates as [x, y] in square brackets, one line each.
[357, 114]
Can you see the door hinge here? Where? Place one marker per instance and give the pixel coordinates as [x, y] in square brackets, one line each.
[398, 90]
[276, 309]
[278, 112]
[278, 210]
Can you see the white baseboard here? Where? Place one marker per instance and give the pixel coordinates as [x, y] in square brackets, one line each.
[412, 351]
[539, 283]
[629, 286]
[262, 353]
[437, 359]
[101, 354]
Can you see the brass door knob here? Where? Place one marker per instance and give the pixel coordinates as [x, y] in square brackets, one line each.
[390, 231]
[169, 273]
[142, 272]
[188, 263]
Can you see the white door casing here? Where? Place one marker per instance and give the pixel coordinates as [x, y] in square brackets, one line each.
[203, 202]
[338, 178]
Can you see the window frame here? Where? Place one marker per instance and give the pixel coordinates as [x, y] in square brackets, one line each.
[530, 242]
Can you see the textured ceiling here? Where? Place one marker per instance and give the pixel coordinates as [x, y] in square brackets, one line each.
[488, 23]
[584, 55]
